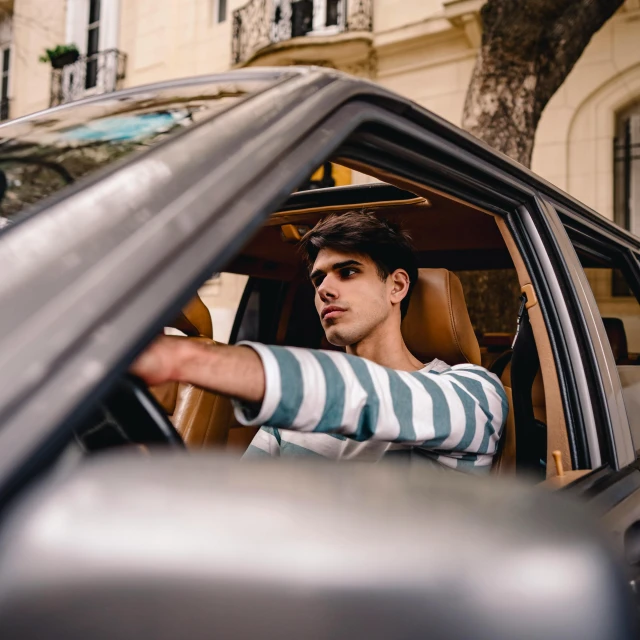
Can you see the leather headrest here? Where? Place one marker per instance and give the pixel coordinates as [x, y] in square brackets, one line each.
[617, 338]
[195, 320]
[437, 324]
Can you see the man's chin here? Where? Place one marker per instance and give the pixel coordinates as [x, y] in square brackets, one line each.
[338, 338]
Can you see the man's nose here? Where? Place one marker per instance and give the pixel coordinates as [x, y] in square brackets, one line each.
[327, 291]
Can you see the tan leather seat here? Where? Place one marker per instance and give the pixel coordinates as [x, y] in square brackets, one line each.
[437, 325]
[202, 418]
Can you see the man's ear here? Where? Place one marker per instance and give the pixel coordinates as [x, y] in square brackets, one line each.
[400, 281]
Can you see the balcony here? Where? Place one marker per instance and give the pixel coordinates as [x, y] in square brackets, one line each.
[91, 75]
[298, 32]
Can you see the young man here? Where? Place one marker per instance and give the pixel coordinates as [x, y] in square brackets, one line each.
[373, 399]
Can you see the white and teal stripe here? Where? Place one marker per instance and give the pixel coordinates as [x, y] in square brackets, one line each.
[338, 406]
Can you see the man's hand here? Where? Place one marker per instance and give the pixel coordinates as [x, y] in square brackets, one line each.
[160, 362]
[231, 371]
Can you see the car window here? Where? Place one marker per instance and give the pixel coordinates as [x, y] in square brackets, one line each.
[493, 316]
[259, 311]
[222, 294]
[620, 310]
[42, 154]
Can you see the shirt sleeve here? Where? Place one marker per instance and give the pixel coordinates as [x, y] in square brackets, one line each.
[460, 410]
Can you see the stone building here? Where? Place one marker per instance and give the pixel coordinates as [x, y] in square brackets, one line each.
[588, 140]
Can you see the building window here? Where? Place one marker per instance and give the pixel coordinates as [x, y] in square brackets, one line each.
[626, 187]
[93, 44]
[301, 18]
[627, 169]
[221, 10]
[4, 84]
[328, 16]
[316, 17]
[333, 12]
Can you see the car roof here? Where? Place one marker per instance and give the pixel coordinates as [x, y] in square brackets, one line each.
[268, 76]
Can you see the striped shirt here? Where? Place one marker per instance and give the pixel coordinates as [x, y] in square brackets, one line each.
[339, 406]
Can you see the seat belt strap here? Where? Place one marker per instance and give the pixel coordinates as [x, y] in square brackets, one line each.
[531, 436]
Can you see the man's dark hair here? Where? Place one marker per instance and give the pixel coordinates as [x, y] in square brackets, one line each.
[362, 232]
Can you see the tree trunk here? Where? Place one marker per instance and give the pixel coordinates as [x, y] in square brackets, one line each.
[528, 49]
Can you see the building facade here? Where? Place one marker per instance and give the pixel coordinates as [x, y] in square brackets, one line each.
[588, 140]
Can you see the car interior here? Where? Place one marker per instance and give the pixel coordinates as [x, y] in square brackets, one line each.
[464, 309]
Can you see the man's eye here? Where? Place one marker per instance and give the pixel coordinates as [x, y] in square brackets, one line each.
[348, 271]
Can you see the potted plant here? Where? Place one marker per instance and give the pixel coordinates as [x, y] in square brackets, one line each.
[61, 55]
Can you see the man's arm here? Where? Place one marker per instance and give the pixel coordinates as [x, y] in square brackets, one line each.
[228, 370]
[461, 409]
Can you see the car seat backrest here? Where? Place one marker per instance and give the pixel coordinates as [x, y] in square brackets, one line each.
[201, 417]
[195, 320]
[505, 460]
[437, 324]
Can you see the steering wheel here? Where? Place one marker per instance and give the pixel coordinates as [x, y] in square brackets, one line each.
[128, 415]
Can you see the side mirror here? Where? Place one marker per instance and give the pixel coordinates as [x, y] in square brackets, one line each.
[179, 546]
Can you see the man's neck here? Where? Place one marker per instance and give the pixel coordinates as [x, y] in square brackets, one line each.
[385, 346]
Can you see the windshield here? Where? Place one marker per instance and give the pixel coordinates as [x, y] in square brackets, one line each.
[44, 153]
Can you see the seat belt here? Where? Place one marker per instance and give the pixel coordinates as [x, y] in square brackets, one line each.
[501, 362]
[531, 434]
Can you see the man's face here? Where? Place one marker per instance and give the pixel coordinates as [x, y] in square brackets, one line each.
[351, 299]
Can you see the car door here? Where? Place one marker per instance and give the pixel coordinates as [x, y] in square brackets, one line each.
[603, 264]
[168, 218]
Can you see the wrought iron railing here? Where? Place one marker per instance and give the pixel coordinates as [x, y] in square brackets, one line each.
[99, 73]
[261, 23]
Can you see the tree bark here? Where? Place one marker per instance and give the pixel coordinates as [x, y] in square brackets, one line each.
[528, 49]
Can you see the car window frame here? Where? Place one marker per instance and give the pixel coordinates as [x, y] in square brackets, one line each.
[185, 259]
[616, 250]
[617, 256]
[505, 193]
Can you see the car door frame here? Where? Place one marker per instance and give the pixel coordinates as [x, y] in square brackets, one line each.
[614, 493]
[507, 190]
[617, 249]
